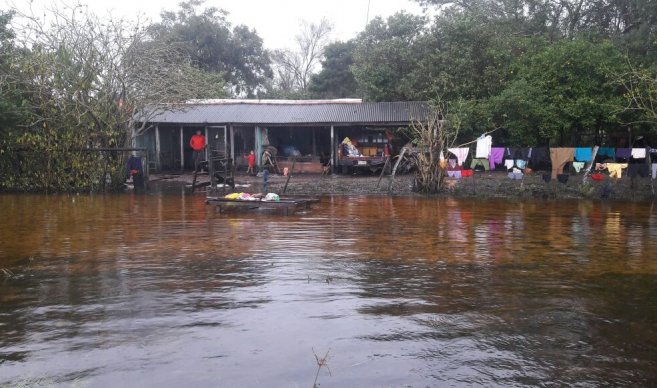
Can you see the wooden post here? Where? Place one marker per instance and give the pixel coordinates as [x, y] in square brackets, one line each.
[289, 175]
[383, 171]
[314, 143]
[394, 169]
[587, 169]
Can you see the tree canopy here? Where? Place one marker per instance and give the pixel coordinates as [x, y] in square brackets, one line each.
[213, 44]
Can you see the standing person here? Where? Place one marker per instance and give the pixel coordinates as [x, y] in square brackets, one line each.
[251, 160]
[197, 142]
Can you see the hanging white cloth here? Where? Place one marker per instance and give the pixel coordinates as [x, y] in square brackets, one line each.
[484, 145]
[638, 153]
[460, 153]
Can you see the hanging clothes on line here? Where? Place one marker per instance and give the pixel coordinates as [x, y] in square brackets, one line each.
[616, 169]
[460, 153]
[654, 171]
[583, 154]
[496, 157]
[606, 152]
[623, 153]
[578, 166]
[639, 153]
[540, 159]
[480, 162]
[559, 158]
[484, 144]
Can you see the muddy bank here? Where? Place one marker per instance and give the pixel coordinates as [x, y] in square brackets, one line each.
[482, 185]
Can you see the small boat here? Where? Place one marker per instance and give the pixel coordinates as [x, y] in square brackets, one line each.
[286, 205]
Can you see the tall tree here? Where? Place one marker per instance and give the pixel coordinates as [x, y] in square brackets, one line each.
[213, 44]
[295, 67]
[386, 58]
[336, 79]
[83, 80]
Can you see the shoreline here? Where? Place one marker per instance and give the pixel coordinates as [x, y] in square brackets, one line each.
[484, 185]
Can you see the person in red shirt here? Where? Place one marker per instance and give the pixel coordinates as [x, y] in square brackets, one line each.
[197, 142]
[251, 161]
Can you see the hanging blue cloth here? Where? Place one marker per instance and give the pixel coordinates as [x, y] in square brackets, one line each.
[607, 151]
[583, 154]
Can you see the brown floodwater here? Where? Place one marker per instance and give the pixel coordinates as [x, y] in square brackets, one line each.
[160, 290]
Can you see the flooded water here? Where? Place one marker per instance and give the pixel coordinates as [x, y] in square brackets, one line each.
[160, 290]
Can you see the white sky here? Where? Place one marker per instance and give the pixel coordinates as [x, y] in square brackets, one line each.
[276, 21]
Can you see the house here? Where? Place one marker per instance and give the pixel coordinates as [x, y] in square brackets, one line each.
[306, 129]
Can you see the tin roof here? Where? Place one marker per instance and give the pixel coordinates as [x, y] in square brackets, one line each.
[292, 112]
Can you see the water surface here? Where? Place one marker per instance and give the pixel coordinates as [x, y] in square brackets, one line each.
[159, 290]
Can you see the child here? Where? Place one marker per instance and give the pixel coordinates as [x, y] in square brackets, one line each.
[251, 160]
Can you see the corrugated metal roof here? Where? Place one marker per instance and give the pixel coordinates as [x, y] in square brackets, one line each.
[369, 113]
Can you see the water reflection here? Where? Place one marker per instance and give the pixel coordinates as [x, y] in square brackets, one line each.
[162, 290]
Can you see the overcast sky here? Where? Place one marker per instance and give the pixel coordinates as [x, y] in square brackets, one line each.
[276, 21]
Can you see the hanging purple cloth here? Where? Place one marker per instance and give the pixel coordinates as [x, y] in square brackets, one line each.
[623, 153]
[496, 157]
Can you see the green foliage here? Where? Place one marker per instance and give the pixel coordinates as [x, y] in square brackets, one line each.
[336, 80]
[77, 84]
[212, 44]
[563, 93]
[386, 58]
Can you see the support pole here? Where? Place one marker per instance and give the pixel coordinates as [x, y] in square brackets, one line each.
[158, 151]
[232, 143]
[225, 142]
[333, 161]
[587, 169]
[182, 149]
[289, 175]
[383, 171]
[394, 169]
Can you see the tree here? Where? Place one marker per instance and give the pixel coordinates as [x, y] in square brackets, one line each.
[564, 94]
[336, 80]
[212, 44]
[640, 92]
[295, 67]
[83, 80]
[386, 58]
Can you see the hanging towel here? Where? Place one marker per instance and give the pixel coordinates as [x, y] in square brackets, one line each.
[559, 158]
[639, 153]
[606, 151]
[615, 169]
[623, 153]
[578, 166]
[508, 163]
[460, 153]
[583, 154]
[540, 159]
[483, 147]
[496, 157]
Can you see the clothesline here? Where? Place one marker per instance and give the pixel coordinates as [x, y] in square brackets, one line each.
[477, 139]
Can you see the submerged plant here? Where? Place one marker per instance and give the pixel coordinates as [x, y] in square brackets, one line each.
[322, 362]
